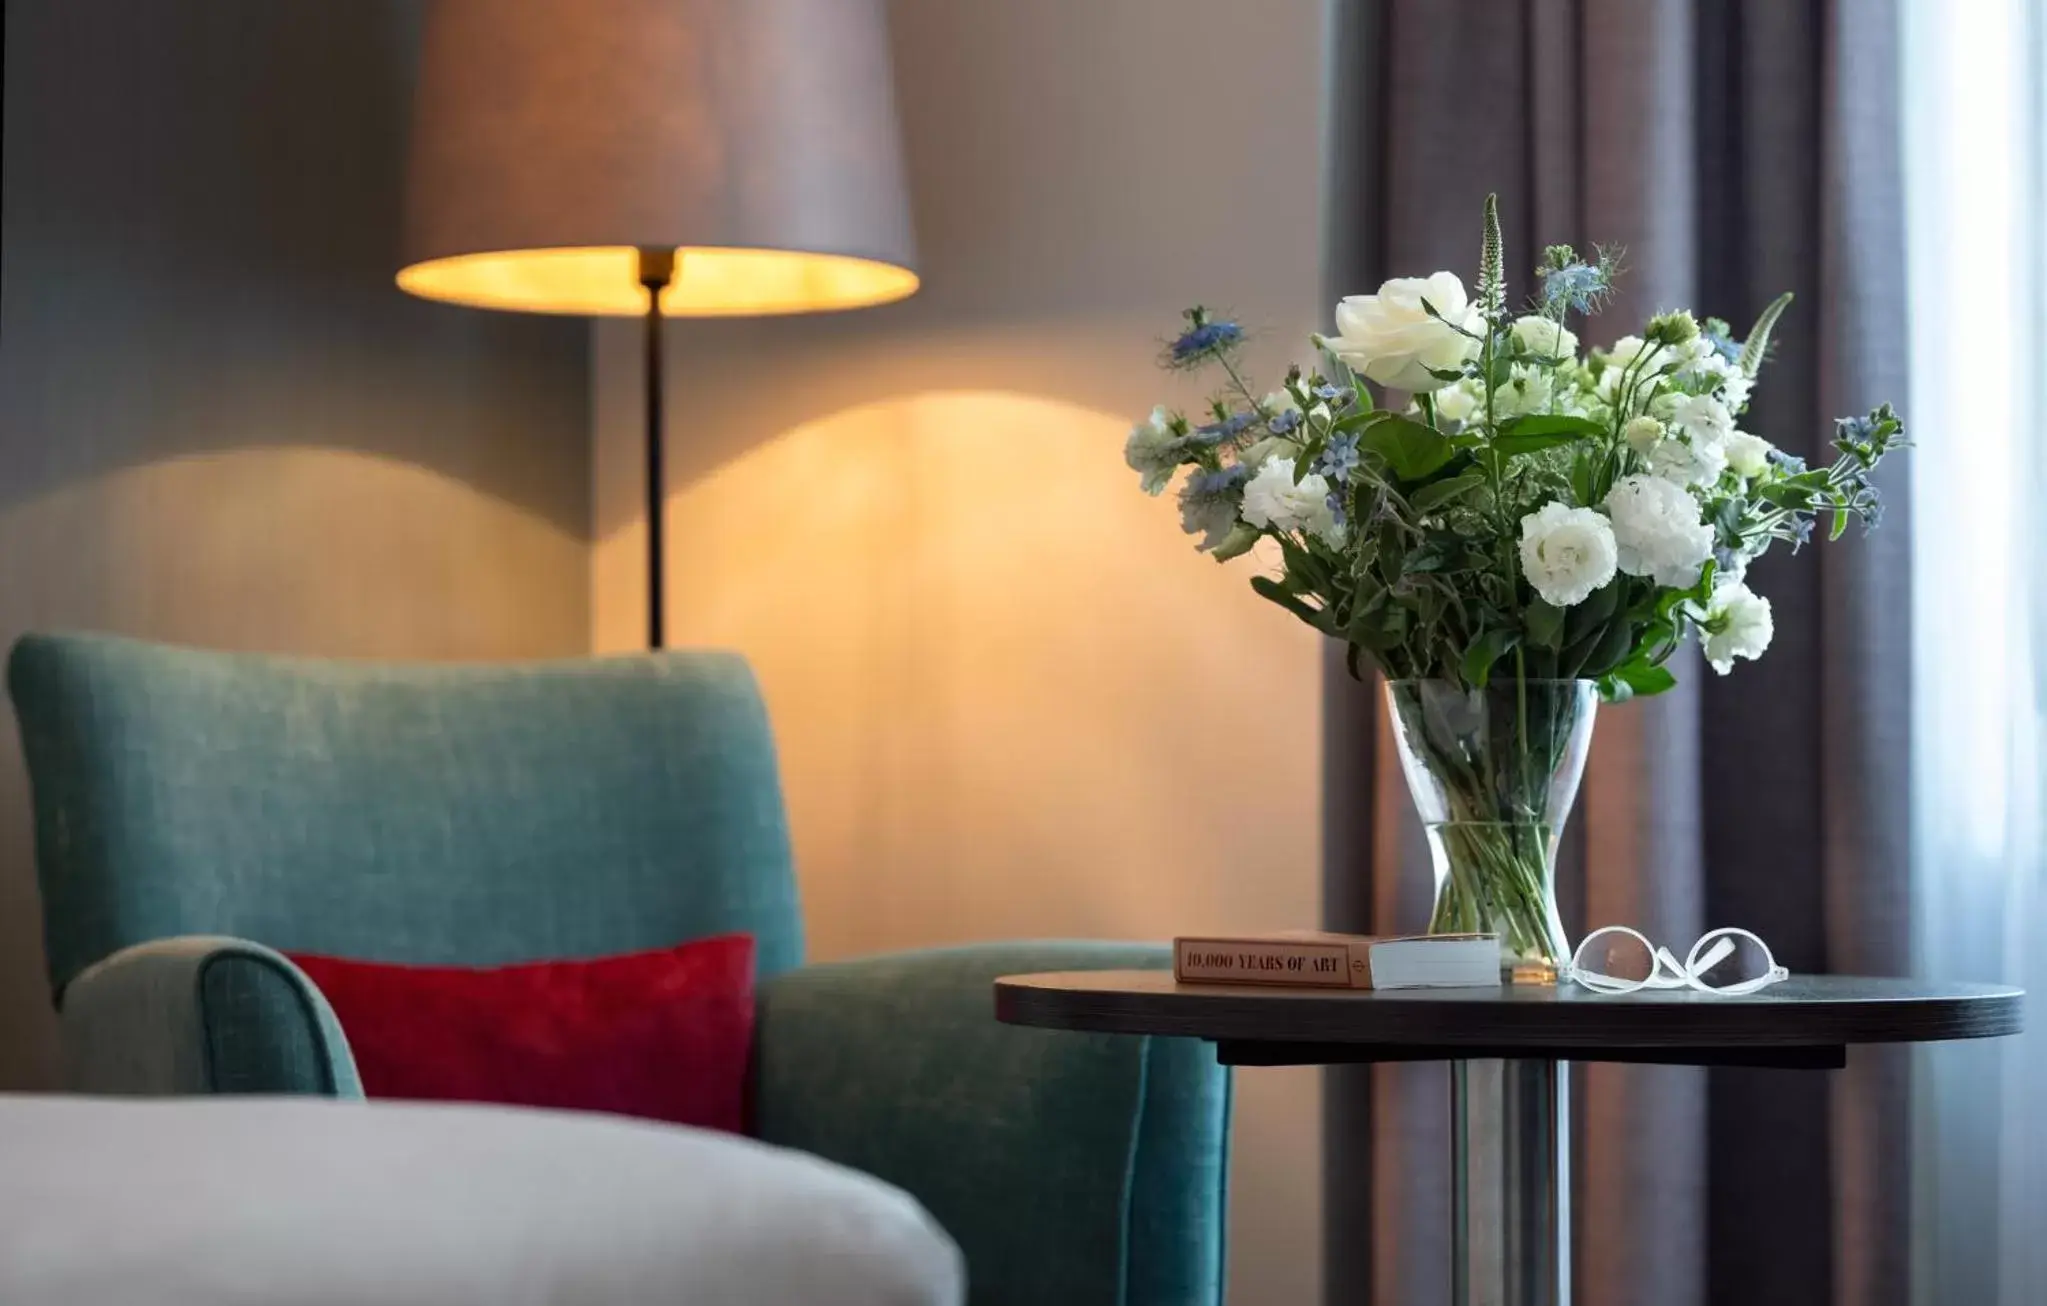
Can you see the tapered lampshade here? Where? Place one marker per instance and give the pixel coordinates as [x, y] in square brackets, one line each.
[555, 139]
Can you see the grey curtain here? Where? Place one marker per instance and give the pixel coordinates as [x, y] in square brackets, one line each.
[1736, 148]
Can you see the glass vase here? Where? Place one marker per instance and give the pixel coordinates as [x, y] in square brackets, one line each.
[1494, 772]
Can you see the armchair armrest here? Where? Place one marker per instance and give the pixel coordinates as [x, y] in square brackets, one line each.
[1076, 1168]
[201, 1014]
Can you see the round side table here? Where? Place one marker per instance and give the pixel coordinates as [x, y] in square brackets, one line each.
[1510, 1144]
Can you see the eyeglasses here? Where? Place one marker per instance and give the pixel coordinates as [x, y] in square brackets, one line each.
[1726, 962]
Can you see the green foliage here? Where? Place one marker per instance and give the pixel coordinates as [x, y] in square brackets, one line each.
[1410, 450]
[1757, 348]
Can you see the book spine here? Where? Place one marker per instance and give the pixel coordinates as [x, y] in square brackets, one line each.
[1267, 961]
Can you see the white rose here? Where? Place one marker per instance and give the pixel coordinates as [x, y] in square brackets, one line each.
[1687, 462]
[1737, 625]
[1540, 335]
[1153, 451]
[1274, 502]
[1566, 553]
[1456, 403]
[1657, 530]
[1748, 455]
[1702, 419]
[1394, 341]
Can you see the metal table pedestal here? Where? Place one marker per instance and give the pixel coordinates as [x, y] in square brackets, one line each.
[1510, 1145]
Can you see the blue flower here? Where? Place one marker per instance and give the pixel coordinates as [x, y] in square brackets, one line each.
[1285, 422]
[1339, 457]
[1208, 338]
[1336, 513]
[1791, 463]
[1227, 429]
[1211, 485]
[1723, 345]
[1331, 394]
[1576, 286]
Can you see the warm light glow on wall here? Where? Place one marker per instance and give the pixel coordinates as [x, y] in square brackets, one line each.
[604, 281]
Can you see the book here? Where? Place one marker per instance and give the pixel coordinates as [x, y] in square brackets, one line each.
[1312, 959]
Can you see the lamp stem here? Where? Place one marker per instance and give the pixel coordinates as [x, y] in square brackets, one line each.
[657, 269]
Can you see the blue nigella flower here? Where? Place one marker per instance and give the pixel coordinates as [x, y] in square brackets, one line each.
[1575, 285]
[1208, 338]
[1339, 458]
[1285, 422]
[1228, 428]
[1207, 485]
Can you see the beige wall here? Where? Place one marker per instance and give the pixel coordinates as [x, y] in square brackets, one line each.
[1011, 700]
[219, 422]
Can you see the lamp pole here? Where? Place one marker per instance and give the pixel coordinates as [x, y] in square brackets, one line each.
[657, 269]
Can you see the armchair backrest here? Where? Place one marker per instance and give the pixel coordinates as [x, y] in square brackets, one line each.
[431, 814]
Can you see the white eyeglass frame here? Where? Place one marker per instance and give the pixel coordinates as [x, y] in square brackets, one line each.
[1666, 972]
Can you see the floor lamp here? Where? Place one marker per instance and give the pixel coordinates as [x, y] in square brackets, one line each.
[656, 157]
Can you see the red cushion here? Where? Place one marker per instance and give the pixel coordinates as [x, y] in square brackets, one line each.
[661, 1034]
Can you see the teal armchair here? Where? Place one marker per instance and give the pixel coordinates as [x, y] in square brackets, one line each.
[198, 815]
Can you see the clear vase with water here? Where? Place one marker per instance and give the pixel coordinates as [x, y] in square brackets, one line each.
[1494, 772]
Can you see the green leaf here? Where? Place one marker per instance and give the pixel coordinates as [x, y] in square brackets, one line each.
[1513, 446]
[1613, 689]
[1587, 619]
[1602, 652]
[1440, 553]
[1644, 679]
[1377, 624]
[1236, 544]
[1486, 650]
[1551, 424]
[1335, 370]
[1757, 347]
[1438, 493]
[1410, 449]
[1840, 524]
[1269, 588]
[1544, 622]
[1584, 474]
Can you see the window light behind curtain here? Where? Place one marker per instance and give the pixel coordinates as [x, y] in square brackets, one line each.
[1975, 80]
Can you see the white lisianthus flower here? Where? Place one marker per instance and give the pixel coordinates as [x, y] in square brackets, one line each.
[1657, 530]
[1457, 402]
[1643, 434]
[1153, 450]
[1272, 501]
[1737, 625]
[1748, 455]
[1393, 340]
[1687, 462]
[1567, 553]
[1702, 419]
[1541, 335]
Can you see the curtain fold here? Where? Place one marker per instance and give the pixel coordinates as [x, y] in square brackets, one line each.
[1736, 148]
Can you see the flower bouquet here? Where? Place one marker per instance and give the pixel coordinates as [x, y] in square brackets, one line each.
[1534, 529]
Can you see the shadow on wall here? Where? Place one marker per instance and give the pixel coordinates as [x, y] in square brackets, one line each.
[201, 216]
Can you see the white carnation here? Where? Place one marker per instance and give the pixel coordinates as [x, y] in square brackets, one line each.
[1541, 335]
[1566, 553]
[1393, 340]
[1737, 625]
[1657, 530]
[1702, 419]
[1748, 455]
[1153, 451]
[1274, 502]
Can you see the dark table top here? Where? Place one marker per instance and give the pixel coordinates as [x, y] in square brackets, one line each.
[1804, 1021]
